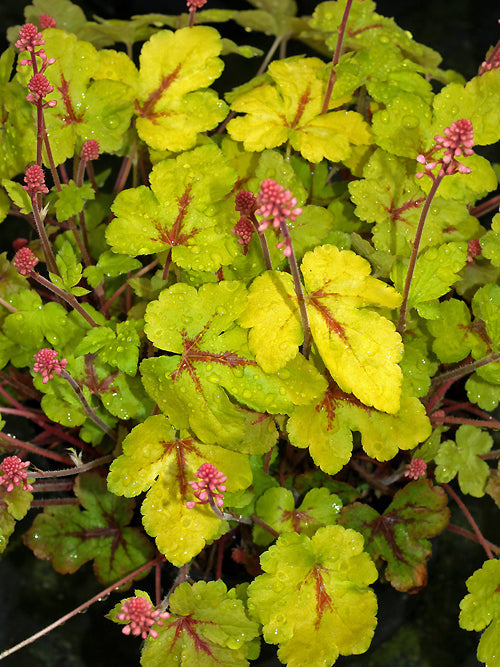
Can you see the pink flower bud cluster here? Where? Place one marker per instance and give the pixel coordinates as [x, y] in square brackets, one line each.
[25, 261]
[193, 5]
[35, 181]
[458, 140]
[14, 474]
[276, 205]
[47, 21]
[416, 468]
[28, 39]
[210, 488]
[141, 616]
[47, 364]
[90, 150]
[245, 203]
[473, 250]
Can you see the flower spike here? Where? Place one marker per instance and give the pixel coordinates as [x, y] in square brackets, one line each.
[25, 261]
[141, 616]
[47, 364]
[29, 38]
[35, 181]
[458, 140]
[14, 474]
[211, 487]
[416, 468]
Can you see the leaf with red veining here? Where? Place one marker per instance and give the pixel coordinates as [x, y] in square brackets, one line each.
[398, 537]
[212, 364]
[157, 457]
[314, 598]
[185, 211]
[69, 536]
[276, 507]
[326, 427]
[208, 627]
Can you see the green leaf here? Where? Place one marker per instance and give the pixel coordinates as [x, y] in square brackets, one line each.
[174, 66]
[119, 349]
[454, 336]
[207, 627]
[463, 458]
[490, 242]
[290, 111]
[313, 598]
[398, 536]
[326, 428]
[480, 609]
[69, 536]
[68, 16]
[18, 131]
[69, 269]
[156, 458]
[185, 211]
[71, 198]
[399, 128]
[18, 195]
[435, 272]
[486, 307]
[485, 394]
[277, 508]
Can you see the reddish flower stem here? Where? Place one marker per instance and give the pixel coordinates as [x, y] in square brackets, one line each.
[87, 409]
[336, 56]
[77, 470]
[403, 312]
[438, 395]
[80, 608]
[69, 298]
[299, 292]
[9, 441]
[42, 234]
[480, 423]
[486, 207]
[469, 518]
[471, 536]
[466, 369]
[123, 287]
[8, 306]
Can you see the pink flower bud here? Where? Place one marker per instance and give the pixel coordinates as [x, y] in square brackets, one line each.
[39, 86]
[211, 487]
[25, 261]
[29, 38]
[193, 5]
[14, 474]
[141, 616]
[90, 150]
[35, 181]
[47, 21]
[47, 364]
[416, 468]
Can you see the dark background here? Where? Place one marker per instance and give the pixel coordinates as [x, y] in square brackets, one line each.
[419, 631]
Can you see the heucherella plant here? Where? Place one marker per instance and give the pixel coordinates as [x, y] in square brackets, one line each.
[260, 324]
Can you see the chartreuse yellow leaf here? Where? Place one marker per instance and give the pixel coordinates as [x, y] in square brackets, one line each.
[157, 457]
[480, 609]
[360, 348]
[290, 110]
[175, 69]
[313, 599]
[211, 357]
[274, 339]
[208, 627]
[185, 211]
[326, 428]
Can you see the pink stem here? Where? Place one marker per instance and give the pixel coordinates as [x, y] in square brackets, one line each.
[469, 518]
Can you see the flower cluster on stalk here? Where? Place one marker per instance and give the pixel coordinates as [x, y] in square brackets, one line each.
[29, 39]
[416, 468]
[25, 261]
[210, 489]
[14, 474]
[458, 140]
[47, 363]
[140, 616]
[277, 205]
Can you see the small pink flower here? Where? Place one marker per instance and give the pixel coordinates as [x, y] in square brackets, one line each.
[14, 473]
[275, 204]
[193, 5]
[35, 181]
[90, 150]
[416, 468]
[40, 87]
[29, 38]
[473, 250]
[25, 261]
[458, 140]
[47, 364]
[47, 21]
[211, 487]
[141, 616]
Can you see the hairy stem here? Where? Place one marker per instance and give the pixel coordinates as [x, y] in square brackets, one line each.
[403, 312]
[9, 441]
[77, 470]
[40, 228]
[466, 369]
[88, 410]
[469, 518]
[69, 298]
[336, 55]
[471, 536]
[299, 292]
